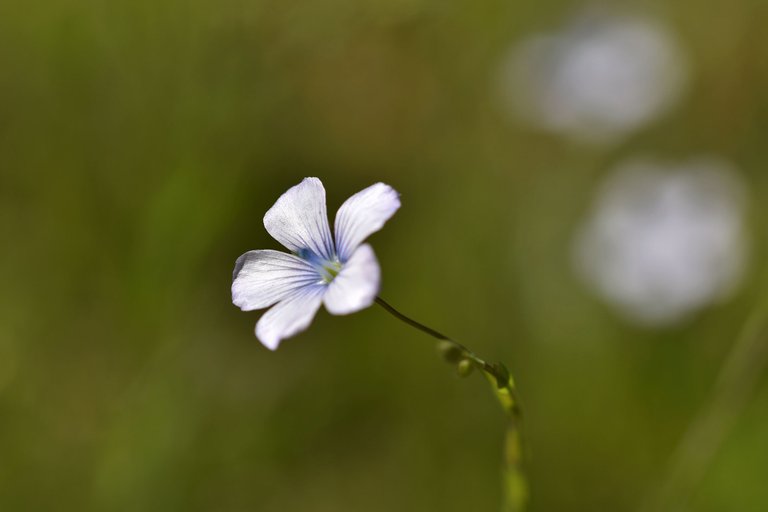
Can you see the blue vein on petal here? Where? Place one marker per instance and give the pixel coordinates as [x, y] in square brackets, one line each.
[328, 269]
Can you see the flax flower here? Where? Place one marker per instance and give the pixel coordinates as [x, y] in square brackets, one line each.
[340, 272]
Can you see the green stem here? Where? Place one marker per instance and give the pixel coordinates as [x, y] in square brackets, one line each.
[515, 482]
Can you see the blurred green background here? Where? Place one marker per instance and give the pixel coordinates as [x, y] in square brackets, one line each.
[141, 143]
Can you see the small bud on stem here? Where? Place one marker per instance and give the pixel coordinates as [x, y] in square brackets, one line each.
[450, 352]
[464, 368]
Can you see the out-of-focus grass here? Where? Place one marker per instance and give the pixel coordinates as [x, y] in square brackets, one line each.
[141, 143]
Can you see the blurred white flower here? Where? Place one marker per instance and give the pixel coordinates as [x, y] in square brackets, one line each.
[597, 79]
[665, 240]
[341, 273]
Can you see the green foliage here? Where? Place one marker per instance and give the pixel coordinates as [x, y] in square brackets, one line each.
[141, 143]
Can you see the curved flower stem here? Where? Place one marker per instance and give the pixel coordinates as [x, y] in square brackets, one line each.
[515, 482]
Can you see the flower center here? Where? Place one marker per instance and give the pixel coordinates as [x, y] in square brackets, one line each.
[328, 270]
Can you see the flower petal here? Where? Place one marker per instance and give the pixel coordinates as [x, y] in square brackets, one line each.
[357, 284]
[262, 278]
[290, 316]
[299, 219]
[362, 214]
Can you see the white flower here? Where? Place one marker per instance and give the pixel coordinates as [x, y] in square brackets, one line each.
[665, 239]
[599, 78]
[342, 274]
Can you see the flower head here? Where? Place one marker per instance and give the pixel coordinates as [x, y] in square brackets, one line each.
[340, 272]
[599, 78]
[665, 239]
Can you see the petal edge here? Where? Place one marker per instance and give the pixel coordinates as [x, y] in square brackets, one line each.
[299, 219]
[363, 214]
